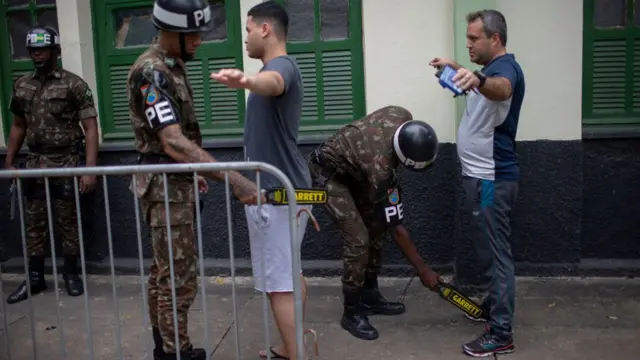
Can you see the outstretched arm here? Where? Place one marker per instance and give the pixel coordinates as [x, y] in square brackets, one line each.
[155, 102]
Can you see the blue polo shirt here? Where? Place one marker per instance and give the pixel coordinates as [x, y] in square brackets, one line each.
[487, 133]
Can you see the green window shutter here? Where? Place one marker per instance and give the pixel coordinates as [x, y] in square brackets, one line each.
[332, 69]
[195, 76]
[225, 102]
[220, 111]
[611, 64]
[609, 77]
[636, 71]
[337, 81]
[119, 100]
[307, 64]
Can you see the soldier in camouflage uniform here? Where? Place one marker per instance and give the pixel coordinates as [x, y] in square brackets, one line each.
[358, 168]
[51, 107]
[163, 118]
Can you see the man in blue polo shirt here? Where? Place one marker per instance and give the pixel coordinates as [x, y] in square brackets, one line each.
[486, 147]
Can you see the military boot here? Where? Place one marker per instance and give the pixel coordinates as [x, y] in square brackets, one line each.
[191, 354]
[36, 276]
[159, 354]
[158, 351]
[355, 320]
[72, 280]
[374, 303]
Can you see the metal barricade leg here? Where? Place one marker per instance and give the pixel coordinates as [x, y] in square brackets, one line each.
[171, 269]
[53, 261]
[5, 322]
[107, 210]
[265, 307]
[207, 345]
[232, 265]
[27, 270]
[87, 310]
[143, 290]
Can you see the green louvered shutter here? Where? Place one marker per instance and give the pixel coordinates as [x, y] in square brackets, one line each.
[636, 74]
[195, 76]
[307, 65]
[331, 62]
[225, 102]
[611, 63]
[337, 82]
[119, 101]
[609, 77]
[219, 110]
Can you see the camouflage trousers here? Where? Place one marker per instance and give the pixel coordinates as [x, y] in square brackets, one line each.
[362, 237]
[184, 266]
[62, 195]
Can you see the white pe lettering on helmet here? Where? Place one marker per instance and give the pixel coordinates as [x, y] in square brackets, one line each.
[416, 165]
[200, 15]
[403, 159]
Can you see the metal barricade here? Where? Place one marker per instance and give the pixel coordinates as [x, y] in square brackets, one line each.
[104, 172]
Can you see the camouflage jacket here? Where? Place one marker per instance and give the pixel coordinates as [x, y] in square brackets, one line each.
[363, 151]
[53, 110]
[160, 95]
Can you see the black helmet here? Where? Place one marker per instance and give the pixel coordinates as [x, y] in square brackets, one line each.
[182, 16]
[416, 144]
[43, 37]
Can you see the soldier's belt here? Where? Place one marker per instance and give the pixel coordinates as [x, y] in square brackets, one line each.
[278, 196]
[62, 150]
[150, 158]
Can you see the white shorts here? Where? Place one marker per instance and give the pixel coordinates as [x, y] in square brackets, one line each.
[270, 240]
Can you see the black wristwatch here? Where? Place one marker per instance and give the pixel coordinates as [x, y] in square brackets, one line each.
[481, 76]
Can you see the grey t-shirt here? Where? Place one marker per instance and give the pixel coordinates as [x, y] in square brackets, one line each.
[271, 128]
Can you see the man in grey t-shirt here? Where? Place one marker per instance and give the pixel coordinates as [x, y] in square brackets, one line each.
[271, 126]
[271, 130]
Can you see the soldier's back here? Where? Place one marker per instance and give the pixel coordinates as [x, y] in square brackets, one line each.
[364, 148]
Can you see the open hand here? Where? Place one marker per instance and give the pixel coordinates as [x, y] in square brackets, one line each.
[233, 78]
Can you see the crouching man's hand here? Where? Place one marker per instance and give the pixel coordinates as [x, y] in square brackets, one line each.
[429, 279]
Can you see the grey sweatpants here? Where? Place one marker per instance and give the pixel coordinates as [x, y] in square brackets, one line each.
[488, 208]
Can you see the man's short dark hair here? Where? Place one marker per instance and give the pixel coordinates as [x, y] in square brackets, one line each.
[493, 22]
[271, 11]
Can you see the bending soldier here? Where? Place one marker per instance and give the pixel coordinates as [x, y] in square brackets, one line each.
[51, 106]
[358, 166]
[166, 130]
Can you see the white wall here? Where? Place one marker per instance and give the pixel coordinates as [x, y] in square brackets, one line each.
[76, 41]
[399, 42]
[546, 38]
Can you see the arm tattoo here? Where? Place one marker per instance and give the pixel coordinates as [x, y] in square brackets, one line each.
[186, 151]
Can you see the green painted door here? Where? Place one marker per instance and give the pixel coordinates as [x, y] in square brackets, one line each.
[16, 18]
[611, 63]
[325, 37]
[123, 30]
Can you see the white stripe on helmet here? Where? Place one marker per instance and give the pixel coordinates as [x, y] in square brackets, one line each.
[403, 159]
[178, 20]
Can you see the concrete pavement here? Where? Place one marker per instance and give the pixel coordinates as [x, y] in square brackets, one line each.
[557, 318]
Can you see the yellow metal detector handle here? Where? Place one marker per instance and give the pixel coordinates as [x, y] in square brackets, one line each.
[278, 196]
